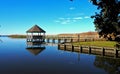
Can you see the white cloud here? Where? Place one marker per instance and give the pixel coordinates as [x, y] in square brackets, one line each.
[74, 20]
[86, 17]
[72, 8]
[64, 22]
[68, 20]
[77, 18]
[61, 18]
[57, 21]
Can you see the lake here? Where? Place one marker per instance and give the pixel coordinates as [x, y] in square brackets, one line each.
[16, 59]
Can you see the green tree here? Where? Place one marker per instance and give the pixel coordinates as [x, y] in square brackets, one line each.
[107, 21]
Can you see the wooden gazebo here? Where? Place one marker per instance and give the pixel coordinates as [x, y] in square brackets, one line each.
[35, 34]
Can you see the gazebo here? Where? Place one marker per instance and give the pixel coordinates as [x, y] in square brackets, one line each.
[36, 34]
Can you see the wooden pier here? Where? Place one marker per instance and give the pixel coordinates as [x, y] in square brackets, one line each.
[59, 40]
[103, 51]
[64, 39]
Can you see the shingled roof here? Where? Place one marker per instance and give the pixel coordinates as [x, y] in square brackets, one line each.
[35, 29]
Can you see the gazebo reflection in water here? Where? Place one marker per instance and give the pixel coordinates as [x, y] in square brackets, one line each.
[35, 39]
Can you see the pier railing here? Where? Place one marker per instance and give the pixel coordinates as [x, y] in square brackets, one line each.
[70, 39]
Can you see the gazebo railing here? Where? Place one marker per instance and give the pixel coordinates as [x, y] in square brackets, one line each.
[35, 38]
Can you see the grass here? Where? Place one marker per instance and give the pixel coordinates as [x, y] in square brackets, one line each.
[97, 43]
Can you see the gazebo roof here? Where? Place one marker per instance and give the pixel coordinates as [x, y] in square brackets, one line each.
[35, 29]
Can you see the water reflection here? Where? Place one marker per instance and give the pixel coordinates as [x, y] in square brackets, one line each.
[35, 50]
[35, 47]
[52, 44]
[110, 65]
[20, 59]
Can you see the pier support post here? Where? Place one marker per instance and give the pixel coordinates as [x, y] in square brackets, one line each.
[71, 40]
[58, 46]
[65, 40]
[80, 48]
[53, 41]
[116, 53]
[72, 48]
[64, 47]
[78, 38]
[59, 40]
[89, 48]
[48, 40]
[103, 51]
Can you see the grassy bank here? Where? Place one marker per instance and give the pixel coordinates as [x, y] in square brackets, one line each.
[17, 36]
[97, 43]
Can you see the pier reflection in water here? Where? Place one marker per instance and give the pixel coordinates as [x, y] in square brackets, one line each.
[110, 65]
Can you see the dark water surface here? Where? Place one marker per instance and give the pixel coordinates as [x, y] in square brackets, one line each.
[16, 59]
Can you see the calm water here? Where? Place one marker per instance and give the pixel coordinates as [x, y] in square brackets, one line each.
[16, 59]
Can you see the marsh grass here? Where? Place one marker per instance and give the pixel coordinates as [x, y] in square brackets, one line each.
[17, 36]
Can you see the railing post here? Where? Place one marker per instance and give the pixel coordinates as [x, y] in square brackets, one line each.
[78, 37]
[71, 40]
[58, 46]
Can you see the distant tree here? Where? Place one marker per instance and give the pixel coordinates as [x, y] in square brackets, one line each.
[107, 21]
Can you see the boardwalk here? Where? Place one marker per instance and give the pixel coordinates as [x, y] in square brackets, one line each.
[64, 43]
[76, 37]
[103, 51]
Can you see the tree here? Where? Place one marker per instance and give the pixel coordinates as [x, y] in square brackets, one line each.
[107, 21]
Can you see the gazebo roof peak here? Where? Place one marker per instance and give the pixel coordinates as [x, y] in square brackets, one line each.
[35, 29]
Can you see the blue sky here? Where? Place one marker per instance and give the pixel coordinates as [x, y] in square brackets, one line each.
[54, 16]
